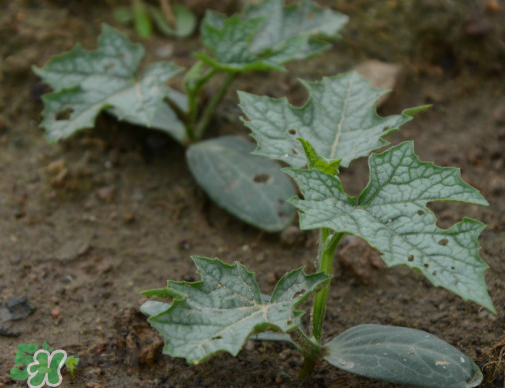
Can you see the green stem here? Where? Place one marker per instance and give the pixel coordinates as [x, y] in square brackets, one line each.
[193, 93]
[310, 350]
[213, 103]
[327, 245]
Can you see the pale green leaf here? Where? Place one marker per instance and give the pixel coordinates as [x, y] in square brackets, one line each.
[402, 356]
[185, 21]
[86, 83]
[220, 312]
[250, 187]
[165, 119]
[392, 216]
[339, 120]
[267, 35]
[153, 307]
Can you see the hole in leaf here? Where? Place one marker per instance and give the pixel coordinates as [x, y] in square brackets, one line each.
[292, 131]
[411, 258]
[434, 273]
[299, 293]
[261, 178]
[453, 268]
[218, 337]
[420, 212]
[281, 202]
[295, 152]
[64, 114]
[426, 265]
[289, 322]
[385, 128]
[443, 242]
[282, 215]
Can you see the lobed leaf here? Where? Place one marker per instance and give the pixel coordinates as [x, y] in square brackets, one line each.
[220, 312]
[339, 120]
[267, 35]
[403, 356]
[391, 215]
[86, 83]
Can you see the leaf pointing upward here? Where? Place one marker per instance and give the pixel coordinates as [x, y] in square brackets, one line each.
[268, 35]
[221, 311]
[85, 83]
[391, 214]
[339, 120]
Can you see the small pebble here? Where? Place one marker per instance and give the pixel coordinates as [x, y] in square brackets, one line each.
[493, 6]
[165, 51]
[56, 166]
[292, 236]
[271, 278]
[128, 218]
[285, 354]
[55, 313]
[106, 193]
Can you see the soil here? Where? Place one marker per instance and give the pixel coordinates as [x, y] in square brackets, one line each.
[89, 223]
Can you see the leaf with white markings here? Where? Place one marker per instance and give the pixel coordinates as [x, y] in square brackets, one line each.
[86, 83]
[391, 215]
[339, 120]
[267, 35]
[403, 356]
[220, 312]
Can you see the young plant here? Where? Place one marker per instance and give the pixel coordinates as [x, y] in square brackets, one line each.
[264, 37]
[337, 125]
[173, 21]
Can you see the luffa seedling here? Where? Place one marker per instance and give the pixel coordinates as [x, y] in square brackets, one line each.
[337, 125]
[263, 37]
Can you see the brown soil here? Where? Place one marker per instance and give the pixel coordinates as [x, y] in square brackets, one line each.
[89, 223]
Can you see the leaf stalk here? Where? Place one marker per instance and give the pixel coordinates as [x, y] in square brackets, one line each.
[327, 244]
[212, 105]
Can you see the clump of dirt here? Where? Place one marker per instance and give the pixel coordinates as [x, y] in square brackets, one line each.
[135, 333]
[493, 364]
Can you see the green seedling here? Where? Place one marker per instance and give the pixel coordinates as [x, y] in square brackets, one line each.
[71, 363]
[338, 124]
[173, 21]
[262, 38]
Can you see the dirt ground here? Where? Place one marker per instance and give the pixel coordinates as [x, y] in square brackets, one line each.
[89, 223]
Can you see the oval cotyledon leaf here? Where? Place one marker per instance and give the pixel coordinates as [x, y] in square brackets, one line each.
[403, 356]
[252, 188]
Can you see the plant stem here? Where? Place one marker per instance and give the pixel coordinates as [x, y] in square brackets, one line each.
[166, 8]
[310, 350]
[193, 91]
[213, 103]
[327, 245]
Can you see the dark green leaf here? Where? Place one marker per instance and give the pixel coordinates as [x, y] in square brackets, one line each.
[392, 216]
[220, 312]
[402, 356]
